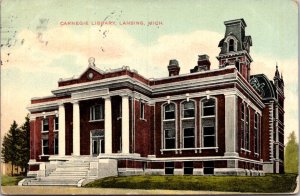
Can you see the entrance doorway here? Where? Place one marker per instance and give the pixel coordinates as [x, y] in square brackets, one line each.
[97, 142]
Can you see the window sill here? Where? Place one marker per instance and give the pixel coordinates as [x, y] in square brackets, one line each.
[245, 150]
[120, 117]
[256, 154]
[188, 118]
[184, 149]
[143, 119]
[167, 120]
[44, 131]
[210, 116]
[55, 130]
[96, 120]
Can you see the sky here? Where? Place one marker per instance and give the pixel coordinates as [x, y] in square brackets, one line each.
[38, 46]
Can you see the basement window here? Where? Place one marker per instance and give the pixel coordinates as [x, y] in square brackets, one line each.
[169, 168]
[208, 167]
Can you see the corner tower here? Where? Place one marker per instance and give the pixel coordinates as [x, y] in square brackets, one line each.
[235, 47]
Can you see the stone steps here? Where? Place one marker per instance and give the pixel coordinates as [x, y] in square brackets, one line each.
[66, 174]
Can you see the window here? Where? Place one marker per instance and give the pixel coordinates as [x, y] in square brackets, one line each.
[237, 65]
[188, 138]
[242, 125]
[96, 112]
[188, 109]
[169, 168]
[169, 139]
[45, 124]
[231, 45]
[247, 129]
[208, 167]
[56, 123]
[256, 133]
[188, 168]
[208, 123]
[56, 143]
[169, 111]
[142, 110]
[45, 146]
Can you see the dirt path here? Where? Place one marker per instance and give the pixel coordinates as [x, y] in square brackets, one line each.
[51, 190]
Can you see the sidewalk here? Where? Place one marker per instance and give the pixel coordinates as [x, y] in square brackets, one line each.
[52, 190]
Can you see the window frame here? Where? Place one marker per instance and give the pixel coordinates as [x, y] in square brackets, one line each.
[247, 128]
[231, 45]
[185, 109]
[206, 117]
[43, 125]
[187, 137]
[93, 112]
[56, 122]
[55, 144]
[174, 111]
[173, 138]
[43, 146]
[142, 110]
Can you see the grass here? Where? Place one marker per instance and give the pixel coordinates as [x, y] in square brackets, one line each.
[271, 183]
[10, 180]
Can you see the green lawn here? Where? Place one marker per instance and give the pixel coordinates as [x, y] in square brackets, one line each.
[271, 183]
[10, 180]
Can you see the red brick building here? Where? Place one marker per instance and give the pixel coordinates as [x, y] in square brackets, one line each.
[223, 121]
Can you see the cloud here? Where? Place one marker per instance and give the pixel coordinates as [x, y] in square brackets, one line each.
[63, 52]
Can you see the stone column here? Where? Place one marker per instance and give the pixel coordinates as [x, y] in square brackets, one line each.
[107, 126]
[231, 139]
[61, 130]
[76, 128]
[125, 124]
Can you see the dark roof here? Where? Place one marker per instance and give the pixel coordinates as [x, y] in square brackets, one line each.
[263, 86]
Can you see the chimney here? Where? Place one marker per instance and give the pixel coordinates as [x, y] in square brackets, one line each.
[202, 65]
[173, 67]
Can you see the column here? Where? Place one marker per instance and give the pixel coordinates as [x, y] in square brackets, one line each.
[61, 130]
[231, 140]
[107, 126]
[76, 129]
[125, 124]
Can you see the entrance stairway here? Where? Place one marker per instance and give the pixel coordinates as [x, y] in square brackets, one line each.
[70, 173]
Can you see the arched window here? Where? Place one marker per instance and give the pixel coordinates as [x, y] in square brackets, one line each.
[188, 109]
[208, 122]
[242, 125]
[256, 133]
[231, 45]
[169, 111]
[169, 131]
[247, 129]
[188, 124]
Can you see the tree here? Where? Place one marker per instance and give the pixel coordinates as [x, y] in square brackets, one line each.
[291, 154]
[10, 146]
[24, 145]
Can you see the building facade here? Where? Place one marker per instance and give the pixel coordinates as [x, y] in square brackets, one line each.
[207, 122]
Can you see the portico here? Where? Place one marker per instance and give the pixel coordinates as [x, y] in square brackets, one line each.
[77, 105]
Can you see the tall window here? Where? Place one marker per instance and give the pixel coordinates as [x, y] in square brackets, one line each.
[189, 137]
[45, 124]
[256, 133]
[242, 125]
[231, 45]
[208, 122]
[56, 123]
[96, 112]
[237, 65]
[142, 110]
[56, 143]
[169, 111]
[188, 109]
[169, 139]
[45, 146]
[247, 129]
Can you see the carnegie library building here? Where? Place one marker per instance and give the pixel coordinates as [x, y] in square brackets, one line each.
[221, 121]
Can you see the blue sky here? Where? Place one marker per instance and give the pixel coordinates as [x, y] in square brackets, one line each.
[42, 50]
